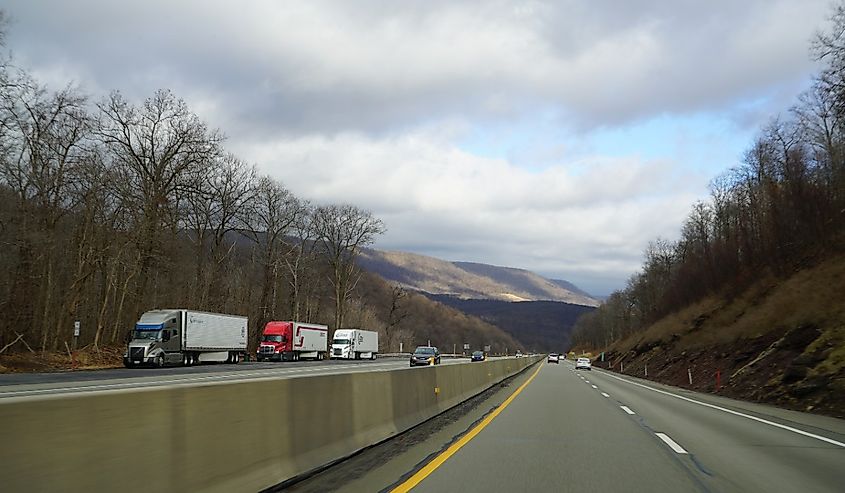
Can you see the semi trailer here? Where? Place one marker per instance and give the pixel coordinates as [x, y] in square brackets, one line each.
[290, 341]
[179, 336]
[354, 344]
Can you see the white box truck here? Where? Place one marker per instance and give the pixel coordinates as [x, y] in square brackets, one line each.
[354, 344]
[186, 337]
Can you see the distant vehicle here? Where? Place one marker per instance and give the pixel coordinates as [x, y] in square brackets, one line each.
[553, 358]
[425, 355]
[478, 356]
[583, 364]
[186, 337]
[518, 354]
[290, 341]
[354, 344]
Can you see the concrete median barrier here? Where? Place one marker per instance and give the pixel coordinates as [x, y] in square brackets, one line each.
[234, 436]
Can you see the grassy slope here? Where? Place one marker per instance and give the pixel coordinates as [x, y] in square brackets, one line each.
[780, 341]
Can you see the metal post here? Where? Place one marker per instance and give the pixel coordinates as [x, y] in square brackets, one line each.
[76, 326]
[718, 380]
[689, 374]
[646, 371]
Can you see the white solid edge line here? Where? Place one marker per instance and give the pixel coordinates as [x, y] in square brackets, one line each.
[627, 409]
[671, 443]
[594, 387]
[735, 413]
[606, 395]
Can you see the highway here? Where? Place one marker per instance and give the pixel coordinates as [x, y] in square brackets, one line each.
[22, 385]
[598, 431]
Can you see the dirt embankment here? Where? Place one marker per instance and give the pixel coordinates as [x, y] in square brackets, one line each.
[87, 358]
[780, 342]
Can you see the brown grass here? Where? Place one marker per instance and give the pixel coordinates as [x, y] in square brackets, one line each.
[87, 358]
[809, 297]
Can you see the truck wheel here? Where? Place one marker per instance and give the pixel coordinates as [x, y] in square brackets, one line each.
[159, 361]
[357, 355]
[373, 356]
[185, 360]
[128, 364]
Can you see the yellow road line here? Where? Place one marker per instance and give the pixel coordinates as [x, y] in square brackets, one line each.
[449, 452]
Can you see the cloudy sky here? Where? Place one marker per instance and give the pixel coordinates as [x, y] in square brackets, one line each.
[556, 136]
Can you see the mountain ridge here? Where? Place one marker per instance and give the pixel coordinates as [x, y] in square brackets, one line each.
[469, 280]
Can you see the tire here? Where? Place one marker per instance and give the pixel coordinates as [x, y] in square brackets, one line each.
[185, 359]
[128, 364]
[159, 361]
[373, 356]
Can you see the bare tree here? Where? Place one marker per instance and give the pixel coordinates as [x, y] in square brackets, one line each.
[157, 148]
[219, 202]
[274, 213]
[342, 231]
[396, 315]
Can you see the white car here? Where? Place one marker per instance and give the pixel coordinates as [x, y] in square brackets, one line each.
[583, 364]
[553, 358]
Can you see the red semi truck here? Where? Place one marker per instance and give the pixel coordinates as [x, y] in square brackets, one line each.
[290, 341]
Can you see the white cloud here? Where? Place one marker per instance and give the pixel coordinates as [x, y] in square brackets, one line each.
[328, 66]
[366, 102]
[436, 199]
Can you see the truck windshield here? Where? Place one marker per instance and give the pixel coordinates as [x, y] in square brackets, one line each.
[151, 335]
[340, 341]
[271, 338]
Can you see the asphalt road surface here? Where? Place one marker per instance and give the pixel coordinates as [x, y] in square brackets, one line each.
[597, 431]
[40, 384]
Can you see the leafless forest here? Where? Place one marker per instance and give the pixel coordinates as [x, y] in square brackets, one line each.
[782, 209]
[110, 207]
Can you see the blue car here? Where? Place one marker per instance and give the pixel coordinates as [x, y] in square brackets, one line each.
[478, 356]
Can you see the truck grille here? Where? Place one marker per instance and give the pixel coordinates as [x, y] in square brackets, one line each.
[338, 352]
[136, 354]
[266, 349]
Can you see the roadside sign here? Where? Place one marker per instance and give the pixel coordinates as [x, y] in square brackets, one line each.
[466, 346]
[76, 326]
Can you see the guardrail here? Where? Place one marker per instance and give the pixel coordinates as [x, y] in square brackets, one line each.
[224, 436]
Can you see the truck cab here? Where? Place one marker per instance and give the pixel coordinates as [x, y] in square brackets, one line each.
[156, 339]
[275, 342]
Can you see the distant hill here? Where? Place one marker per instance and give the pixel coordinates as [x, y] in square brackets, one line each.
[468, 280]
[538, 325]
[575, 289]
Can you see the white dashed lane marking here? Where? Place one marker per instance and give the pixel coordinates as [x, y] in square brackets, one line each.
[671, 443]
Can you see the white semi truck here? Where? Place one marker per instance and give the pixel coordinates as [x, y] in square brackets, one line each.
[354, 344]
[186, 337]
